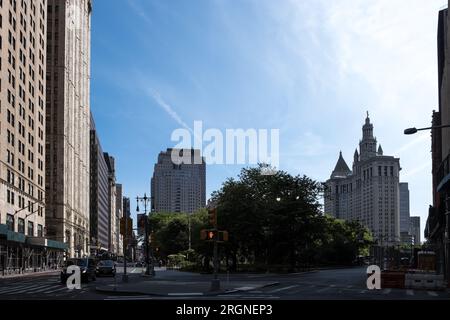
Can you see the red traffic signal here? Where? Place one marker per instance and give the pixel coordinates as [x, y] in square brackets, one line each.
[213, 235]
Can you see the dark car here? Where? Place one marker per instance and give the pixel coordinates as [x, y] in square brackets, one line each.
[87, 269]
[106, 268]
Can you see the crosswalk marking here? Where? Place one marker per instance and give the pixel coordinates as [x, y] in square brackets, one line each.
[432, 293]
[44, 288]
[21, 288]
[409, 292]
[56, 290]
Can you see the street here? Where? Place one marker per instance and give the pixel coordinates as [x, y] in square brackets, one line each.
[338, 284]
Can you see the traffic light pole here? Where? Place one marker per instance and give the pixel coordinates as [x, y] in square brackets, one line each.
[215, 283]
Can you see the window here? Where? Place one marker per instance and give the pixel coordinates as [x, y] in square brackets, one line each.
[40, 231]
[21, 226]
[30, 229]
[10, 222]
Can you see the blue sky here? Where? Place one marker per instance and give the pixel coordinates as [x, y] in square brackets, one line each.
[311, 68]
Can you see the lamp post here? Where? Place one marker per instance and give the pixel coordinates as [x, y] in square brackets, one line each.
[411, 131]
[149, 269]
[446, 239]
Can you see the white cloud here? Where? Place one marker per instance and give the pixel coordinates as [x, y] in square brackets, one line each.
[167, 108]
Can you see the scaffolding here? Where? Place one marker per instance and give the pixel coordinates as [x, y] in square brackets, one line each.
[18, 258]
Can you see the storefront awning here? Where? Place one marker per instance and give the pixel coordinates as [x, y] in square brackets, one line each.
[3, 231]
[56, 245]
[15, 237]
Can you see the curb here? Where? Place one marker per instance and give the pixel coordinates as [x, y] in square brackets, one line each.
[192, 294]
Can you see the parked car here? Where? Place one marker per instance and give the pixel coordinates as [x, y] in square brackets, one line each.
[87, 269]
[105, 268]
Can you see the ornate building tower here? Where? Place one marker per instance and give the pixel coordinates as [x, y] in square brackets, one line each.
[370, 193]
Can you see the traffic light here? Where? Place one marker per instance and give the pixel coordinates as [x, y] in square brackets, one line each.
[223, 236]
[211, 236]
[212, 215]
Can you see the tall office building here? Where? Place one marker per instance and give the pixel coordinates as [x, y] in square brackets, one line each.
[179, 187]
[126, 207]
[370, 192]
[415, 230]
[113, 224]
[99, 195]
[119, 215]
[68, 128]
[22, 116]
[404, 207]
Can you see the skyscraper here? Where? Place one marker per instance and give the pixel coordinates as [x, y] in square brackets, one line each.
[179, 187]
[119, 215]
[99, 195]
[23, 46]
[404, 208]
[370, 192]
[126, 207]
[415, 230]
[112, 214]
[68, 128]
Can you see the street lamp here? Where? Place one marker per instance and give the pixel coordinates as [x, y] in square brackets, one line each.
[411, 131]
[149, 269]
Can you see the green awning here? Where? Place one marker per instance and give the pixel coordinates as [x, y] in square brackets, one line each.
[15, 237]
[3, 230]
[56, 245]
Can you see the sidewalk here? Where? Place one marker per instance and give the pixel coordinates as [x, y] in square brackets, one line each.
[172, 288]
[30, 274]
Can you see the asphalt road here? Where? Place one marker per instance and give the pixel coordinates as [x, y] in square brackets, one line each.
[347, 284]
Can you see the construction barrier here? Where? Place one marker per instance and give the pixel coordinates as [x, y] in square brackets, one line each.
[394, 280]
[423, 281]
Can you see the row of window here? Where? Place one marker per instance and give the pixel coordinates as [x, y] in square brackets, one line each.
[10, 223]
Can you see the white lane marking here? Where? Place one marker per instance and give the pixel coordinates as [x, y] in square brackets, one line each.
[56, 290]
[410, 292]
[432, 293]
[323, 290]
[129, 298]
[182, 294]
[387, 291]
[363, 291]
[283, 289]
[245, 288]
